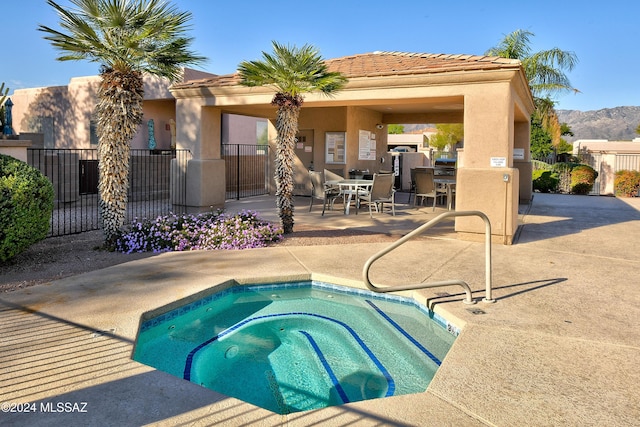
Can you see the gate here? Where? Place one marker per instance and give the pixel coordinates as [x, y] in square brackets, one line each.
[246, 170]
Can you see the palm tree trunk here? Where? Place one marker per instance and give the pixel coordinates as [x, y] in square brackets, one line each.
[286, 126]
[119, 112]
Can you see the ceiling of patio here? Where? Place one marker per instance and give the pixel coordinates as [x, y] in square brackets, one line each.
[422, 110]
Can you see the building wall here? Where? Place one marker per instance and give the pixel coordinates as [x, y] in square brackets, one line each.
[63, 114]
[237, 129]
[161, 111]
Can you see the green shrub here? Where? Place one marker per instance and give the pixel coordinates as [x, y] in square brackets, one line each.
[627, 183]
[582, 179]
[26, 202]
[544, 181]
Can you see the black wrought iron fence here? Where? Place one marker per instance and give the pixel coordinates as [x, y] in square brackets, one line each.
[153, 190]
[246, 170]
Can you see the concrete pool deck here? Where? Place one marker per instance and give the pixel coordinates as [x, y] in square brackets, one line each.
[559, 347]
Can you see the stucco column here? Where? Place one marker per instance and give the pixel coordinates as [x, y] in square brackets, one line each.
[198, 129]
[487, 181]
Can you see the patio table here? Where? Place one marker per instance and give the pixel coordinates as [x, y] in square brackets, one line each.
[351, 188]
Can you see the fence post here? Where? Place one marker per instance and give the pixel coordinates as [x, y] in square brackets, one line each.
[237, 171]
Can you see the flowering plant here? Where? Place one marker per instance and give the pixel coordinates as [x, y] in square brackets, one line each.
[207, 231]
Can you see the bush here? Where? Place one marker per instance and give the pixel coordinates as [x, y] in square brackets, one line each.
[208, 231]
[582, 179]
[26, 202]
[545, 181]
[627, 183]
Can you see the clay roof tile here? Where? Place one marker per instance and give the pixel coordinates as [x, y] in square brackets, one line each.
[379, 63]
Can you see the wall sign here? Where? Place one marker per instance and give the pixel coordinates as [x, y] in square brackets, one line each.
[518, 154]
[335, 147]
[498, 162]
[366, 146]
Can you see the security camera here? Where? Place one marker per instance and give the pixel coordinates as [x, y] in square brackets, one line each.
[379, 126]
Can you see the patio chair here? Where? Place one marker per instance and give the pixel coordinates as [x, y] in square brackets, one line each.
[328, 194]
[382, 192]
[412, 184]
[425, 187]
[332, 176]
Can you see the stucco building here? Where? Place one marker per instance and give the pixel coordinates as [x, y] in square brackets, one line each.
[490, 95]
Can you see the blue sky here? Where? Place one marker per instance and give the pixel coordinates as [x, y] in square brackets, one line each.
[604, 36]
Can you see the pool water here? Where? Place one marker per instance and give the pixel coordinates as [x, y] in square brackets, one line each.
[298, 346]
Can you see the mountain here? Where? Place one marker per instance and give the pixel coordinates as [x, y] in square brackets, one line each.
[614, 124]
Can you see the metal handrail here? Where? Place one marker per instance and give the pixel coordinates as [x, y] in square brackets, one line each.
[420, 230]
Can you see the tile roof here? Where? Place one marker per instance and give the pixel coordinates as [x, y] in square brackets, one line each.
[387, 64]
[401, 63]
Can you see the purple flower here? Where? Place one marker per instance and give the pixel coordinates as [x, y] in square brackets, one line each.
[207, 231]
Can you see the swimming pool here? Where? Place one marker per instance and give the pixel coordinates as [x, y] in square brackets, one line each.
[297, 346]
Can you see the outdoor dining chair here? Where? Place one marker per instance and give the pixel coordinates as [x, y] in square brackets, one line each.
[425, 187]
[321, 191]
[412, 184]
[381, 192]
[332, 176]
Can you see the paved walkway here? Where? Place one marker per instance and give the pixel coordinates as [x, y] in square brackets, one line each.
[559, 347]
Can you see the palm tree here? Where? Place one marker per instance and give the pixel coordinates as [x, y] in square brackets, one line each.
[126, 38]
[544, 71]
[291, 71]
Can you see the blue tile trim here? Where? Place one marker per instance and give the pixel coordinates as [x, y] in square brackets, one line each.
[298, 285]
[405, 333]
[187, 366]
[323, 360]
[391, 386]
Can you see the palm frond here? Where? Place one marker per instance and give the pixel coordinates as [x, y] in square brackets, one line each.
[292, 71]
[146, 34]
[515, 45]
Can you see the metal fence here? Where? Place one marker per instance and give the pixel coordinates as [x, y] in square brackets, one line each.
[246, 170]
[74, 175]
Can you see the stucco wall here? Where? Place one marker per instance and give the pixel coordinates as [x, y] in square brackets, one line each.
[161, 112]
[62, 114]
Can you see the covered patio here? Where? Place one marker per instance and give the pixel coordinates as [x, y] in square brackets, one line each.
[490, 95]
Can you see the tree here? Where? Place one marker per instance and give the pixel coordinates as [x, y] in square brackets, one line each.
[291, 71]
[395, 129]
[542, 143]
[638, 129]
[126, 38]
[448, 135]
[544, 71]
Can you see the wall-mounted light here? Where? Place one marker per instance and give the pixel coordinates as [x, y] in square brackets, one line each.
[379, 126]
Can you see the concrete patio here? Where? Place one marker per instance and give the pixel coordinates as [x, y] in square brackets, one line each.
[559, 347]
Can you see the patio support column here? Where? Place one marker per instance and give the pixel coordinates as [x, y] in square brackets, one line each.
[487, 180]
[198, 129]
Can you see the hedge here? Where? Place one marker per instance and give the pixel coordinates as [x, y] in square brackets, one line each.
[582, 179]
[26, 203]
[627, 183]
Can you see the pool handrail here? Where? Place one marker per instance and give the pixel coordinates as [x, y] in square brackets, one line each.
[420, 230]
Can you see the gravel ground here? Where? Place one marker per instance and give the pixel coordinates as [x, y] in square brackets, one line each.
[58, 257]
